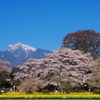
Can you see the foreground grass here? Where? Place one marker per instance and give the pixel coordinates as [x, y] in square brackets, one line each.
[15, 95]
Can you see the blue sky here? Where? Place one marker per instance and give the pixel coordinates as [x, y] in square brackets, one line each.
[44, 23]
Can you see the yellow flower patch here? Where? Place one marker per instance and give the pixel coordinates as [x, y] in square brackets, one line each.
[50, 95]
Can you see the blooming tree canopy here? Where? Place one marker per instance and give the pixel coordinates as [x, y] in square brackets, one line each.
[65, 64]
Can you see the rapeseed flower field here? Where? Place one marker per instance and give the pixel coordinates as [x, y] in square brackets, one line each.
[50, 95]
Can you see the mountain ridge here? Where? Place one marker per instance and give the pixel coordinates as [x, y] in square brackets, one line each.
[19, 53]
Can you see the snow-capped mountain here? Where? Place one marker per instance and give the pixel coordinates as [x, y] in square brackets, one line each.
[26, 48]
[19, 48]
[19, 53]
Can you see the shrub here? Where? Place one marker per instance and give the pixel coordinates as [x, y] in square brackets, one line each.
[67, 92]
[45, 91]
[0, 92]
[28, 92]
[96, 91]
[76, 90]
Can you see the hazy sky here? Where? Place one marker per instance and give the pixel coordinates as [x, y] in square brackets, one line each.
[44, 23]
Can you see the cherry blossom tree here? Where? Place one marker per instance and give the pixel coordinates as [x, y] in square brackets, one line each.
[69, 64]
[94, 80]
